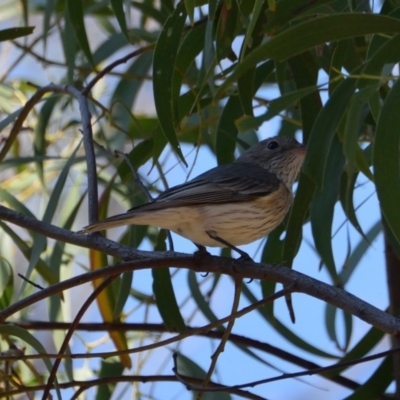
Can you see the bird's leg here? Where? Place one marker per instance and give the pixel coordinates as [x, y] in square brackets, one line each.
[243, 254]
[202, 251]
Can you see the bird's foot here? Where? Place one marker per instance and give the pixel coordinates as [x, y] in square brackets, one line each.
[243, 255]
[201, 250]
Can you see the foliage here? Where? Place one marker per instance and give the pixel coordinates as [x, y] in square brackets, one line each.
[220, 72]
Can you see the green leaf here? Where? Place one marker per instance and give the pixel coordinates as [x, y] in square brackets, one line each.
[9, 119]
[163, 69]
[331, 315]
[58, 249]
[311, 33]
[15, 203]
[56, 194]
[305, 71]
[14, 33]
[48, 13]
[359, 252]
[254, 20]
[24, 335]
[327, 122]
[323, 203]
[274, 108]
[354, 119]
[110, 368]
[227, 131]
[189, 6]
[149, 12]
[166, 300]
[41, 267]
[386, 160]
[191, 46]
[39, 143]
[376, 384]
[121, 289]
[165, 295]
[369, 341]
[253, 38]
[118, 8]
[278, 17]
[6, 283]
[188, 367]
[297, 216]
[223, 34]
[198, 297]
[347, 187]
[272, 253]
[283, 330]
[75, 15]
[70, 48]
[126, 92]
[40, 241]
[139, 155]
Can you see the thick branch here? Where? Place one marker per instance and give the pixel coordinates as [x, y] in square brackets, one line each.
[89, 151]
[90, 242]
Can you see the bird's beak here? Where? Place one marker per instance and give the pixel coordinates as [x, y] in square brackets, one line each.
[302, 149]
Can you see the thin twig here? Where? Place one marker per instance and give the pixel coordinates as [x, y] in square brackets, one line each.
[114, 64]
[160, 328]
[71, 331]
[225, 337]
[135, 174]
[80, 68]
[114, 380]
[30, 282]
[321, 370]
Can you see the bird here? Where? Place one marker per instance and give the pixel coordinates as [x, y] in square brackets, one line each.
[229, 205]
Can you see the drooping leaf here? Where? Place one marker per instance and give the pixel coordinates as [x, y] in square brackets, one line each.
[377, 383]
[163, 69]
[118, 8]
[165, 295]
[76, 17]
[24, 335]
[6, 283]
[323, 203]
[198, 297]
[386, 160]
[110, 368]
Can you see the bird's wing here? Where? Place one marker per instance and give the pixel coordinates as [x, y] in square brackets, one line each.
[227, 183]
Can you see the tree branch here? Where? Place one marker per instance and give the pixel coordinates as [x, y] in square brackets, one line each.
[160, 328]
[236, 268]
[87, 384]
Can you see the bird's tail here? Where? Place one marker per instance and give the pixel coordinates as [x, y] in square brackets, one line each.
[111, 222]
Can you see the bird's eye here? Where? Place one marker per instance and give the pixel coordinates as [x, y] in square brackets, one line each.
[272, 145]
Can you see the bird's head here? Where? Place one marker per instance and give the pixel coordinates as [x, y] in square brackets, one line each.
[280, 155]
